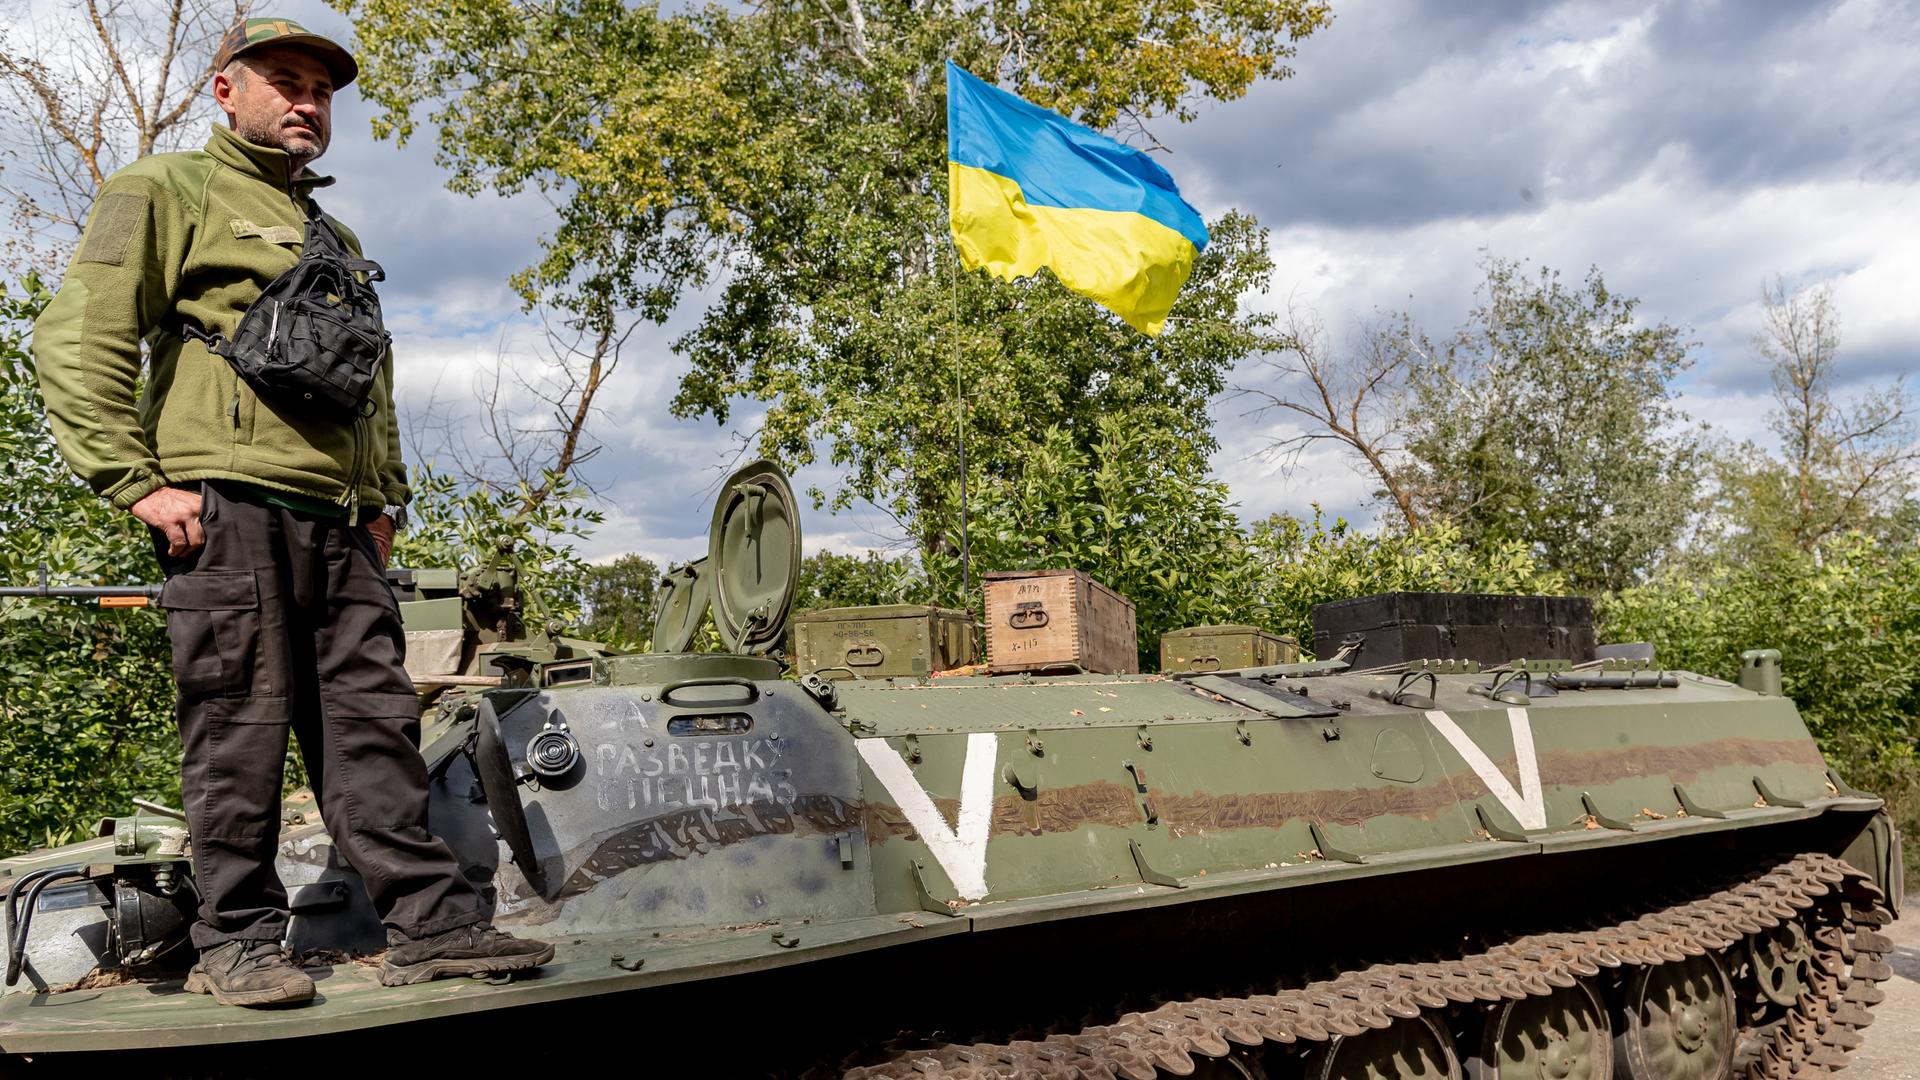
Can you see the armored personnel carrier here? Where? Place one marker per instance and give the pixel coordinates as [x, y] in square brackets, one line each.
[1504, 868]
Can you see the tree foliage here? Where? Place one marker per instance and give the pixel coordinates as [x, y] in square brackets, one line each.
[1841, 465]
[467, 525]
[86, 694]
[1302, 563]
[1140, 513]
[1549, 418]
[1137, 511]
[832, 579]
[1846, 618]
[787, 163]
[619, 602]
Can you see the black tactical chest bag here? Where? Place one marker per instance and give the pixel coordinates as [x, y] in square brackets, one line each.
[313, 341]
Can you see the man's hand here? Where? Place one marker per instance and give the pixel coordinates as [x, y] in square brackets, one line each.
[176, 513]
[381, 529]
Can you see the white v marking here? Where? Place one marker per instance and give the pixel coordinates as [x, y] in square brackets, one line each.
[1528, 805]
[961, 850]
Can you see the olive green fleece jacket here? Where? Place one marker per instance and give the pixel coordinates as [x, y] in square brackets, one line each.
[197, 234]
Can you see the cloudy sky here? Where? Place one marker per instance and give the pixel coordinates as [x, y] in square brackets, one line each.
[1690, 150]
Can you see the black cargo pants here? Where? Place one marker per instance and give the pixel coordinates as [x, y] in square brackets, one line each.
[285, 620]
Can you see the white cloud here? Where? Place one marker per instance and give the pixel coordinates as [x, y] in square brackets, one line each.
[1690, 150]
[1694, 254]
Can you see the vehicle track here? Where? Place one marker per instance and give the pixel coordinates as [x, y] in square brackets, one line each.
[1838, 907]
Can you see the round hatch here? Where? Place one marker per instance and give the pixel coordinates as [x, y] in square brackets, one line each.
[679, 603]
[753, 558]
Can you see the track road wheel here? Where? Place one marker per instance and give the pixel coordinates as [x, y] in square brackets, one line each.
[1417, 1049]
[1779, 958]
[1678, 1023]
[1564, 1035]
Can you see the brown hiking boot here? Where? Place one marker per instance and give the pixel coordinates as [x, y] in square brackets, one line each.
[249, 973]
[467, 950]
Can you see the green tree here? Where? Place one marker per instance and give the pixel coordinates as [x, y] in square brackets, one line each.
[787, 164]
[86, 694]
[1137, 511]
[466, 525]
[1846, 617]
[831, 579]
[1549, 418]
[1840, 465]
[619, 601]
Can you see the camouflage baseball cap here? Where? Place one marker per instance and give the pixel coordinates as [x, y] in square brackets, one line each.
[250, 34]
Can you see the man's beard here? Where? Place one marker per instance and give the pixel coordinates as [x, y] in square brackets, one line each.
[273, 133]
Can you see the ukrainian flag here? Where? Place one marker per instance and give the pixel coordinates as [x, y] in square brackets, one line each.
[1029, 188]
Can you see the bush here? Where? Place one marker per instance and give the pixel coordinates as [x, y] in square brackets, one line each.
[1298, 564]
[1846, 618]
[1140, 513]
[86, 694]
[461, 526]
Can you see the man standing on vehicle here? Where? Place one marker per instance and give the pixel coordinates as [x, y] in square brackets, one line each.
[265, 497]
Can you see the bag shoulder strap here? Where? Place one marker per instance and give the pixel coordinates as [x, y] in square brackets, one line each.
[332, 246]
[322, 241]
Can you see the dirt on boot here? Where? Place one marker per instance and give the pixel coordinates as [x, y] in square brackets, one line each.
[467, 950]
[253, 973]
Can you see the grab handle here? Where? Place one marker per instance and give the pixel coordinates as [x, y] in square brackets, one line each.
[753, 690]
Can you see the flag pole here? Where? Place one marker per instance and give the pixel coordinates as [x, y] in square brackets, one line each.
[959, 424]
[959, 380]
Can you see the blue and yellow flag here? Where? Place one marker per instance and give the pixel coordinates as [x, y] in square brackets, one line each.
[1029, 188]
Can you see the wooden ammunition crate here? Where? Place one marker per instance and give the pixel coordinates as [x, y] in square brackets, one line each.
[882, 641]
[1041, 620]
[1224, 648]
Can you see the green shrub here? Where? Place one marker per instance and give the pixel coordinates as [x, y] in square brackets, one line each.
[86, 694]
[1297, 564]
[1846, 618]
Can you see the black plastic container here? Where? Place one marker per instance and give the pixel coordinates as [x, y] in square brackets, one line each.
[1397, 627]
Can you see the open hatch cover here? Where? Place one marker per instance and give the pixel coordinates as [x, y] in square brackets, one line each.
[753, 558]
[679, 604]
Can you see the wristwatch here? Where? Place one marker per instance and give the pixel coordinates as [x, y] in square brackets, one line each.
[396, 514]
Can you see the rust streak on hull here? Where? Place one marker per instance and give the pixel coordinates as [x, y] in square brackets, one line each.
[1063, 809]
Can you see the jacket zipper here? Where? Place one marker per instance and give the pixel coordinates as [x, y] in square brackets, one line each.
[350, 498]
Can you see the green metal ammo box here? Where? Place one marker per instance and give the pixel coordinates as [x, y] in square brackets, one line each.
[881, 641]
[1224, 648]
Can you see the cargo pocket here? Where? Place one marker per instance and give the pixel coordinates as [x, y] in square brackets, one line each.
[213, 617]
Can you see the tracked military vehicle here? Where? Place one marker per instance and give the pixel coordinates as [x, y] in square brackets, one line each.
[1440, 867]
